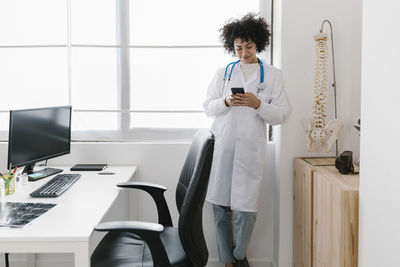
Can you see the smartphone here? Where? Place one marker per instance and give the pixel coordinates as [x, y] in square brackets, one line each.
[236, 90]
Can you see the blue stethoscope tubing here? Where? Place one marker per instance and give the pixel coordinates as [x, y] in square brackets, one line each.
[233, 65]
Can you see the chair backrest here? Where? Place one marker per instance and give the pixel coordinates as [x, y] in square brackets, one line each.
[190, 194]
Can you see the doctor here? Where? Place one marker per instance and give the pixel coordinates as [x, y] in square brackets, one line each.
[240, 133]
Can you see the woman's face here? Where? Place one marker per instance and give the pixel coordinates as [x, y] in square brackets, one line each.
[245, 51]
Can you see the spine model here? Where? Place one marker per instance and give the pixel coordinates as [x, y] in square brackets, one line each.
[320, 82]
[319, 132]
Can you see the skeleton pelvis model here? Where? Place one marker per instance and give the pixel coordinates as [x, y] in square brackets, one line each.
[320, 133]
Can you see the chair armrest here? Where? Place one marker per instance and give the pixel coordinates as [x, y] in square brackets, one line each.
[125, 226]
[148, 232]
[143, 185]
[157, 193]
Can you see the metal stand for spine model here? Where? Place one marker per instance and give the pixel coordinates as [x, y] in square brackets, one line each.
[334, 74]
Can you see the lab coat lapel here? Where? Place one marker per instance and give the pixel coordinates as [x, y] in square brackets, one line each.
[239, 74]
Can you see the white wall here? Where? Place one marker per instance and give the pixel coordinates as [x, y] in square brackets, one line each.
[161, 163]
[379, 221]
[300, 21]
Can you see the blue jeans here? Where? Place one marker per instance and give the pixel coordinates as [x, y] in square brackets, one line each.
[233, 229]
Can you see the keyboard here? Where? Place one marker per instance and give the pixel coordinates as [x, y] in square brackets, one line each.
[56, 186]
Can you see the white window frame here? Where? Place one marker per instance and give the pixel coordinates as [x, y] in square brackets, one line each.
[125, 133]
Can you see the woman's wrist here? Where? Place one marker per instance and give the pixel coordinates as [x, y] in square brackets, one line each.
[258, 105]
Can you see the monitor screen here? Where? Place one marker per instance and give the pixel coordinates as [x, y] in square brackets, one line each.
[38, 134]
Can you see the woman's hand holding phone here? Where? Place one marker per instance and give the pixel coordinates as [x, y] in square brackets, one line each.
[246, 99]
[229, 99]
[240, 98]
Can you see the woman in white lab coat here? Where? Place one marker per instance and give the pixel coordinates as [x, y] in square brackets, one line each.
[240, 133]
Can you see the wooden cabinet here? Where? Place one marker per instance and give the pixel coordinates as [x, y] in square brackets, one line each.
[325, 215]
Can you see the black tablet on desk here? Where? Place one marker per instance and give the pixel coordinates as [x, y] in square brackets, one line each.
[88, 167]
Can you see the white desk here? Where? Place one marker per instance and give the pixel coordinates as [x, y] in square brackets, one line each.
[67, 227]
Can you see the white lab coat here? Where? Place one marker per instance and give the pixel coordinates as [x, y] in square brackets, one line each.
[240, 136]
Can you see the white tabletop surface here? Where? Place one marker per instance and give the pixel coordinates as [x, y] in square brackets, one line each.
[77, 211]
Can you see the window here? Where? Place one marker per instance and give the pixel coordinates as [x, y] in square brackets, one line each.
[131, 69]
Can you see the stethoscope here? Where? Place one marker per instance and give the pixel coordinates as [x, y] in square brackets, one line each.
[260, 85]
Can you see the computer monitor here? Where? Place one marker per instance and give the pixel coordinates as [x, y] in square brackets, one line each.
[36, 135]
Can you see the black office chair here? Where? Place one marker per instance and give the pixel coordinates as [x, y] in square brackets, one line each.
[134, 244]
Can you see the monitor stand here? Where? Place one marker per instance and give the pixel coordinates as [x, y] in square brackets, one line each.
[39, 174]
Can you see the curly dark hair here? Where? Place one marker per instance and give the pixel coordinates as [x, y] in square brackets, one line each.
[251, 27]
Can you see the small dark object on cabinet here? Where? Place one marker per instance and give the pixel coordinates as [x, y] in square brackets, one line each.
[344, 163]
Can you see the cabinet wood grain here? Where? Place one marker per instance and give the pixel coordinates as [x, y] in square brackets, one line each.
[325, 215]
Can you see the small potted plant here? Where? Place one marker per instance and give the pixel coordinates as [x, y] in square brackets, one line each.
[358, 125]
